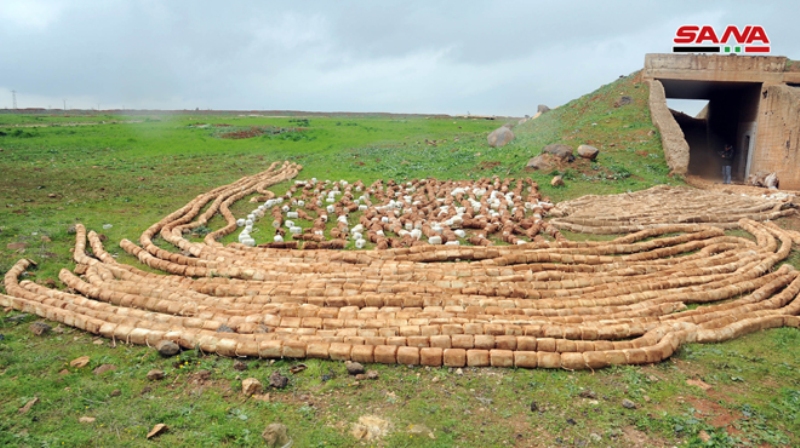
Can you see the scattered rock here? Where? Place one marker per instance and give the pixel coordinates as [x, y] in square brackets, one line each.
[78, 363]
[297, 368]
[104, 368]
[201, 376]
[595, 437]
[260, 397]
[18, 318]
[420, 430]
[557, 181]
[275, 436]
[115, 393]
[167, 348]
[87, 419]
[459, 371]
[628, 404]
[623, 101]
[97, 342]
[63, 372]
[500, 137]
[155, 375]
[58, 329]
[28, 405]
[588, 394]
[534, 406]
[704, 436]
[372, 374]
[40, 328]
[544, 162]
[251, 386]
[72, 230]
[146, 390]
[542, 109]
[370, 427]
[646, 399]
[588, 152]
[239, 365]
[157, 430]
[561, 152]
[17, 246]
[361, 377]
[277, 380]
[354, 368]
[699, 383]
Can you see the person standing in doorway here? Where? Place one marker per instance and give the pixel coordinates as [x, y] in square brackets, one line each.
[727, 161]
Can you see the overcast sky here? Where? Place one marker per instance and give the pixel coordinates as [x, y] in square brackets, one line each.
[493, 57]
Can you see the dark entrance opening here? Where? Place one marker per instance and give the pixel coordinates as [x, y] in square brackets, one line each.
[729, 118]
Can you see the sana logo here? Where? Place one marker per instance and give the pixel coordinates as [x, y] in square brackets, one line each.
[696, 39]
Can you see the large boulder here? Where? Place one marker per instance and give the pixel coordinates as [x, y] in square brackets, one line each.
[500, 137]
[542, 109]
[562, 152]
[588, 152]
[544, 162]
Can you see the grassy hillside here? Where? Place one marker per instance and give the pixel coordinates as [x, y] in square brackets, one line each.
[129, 171]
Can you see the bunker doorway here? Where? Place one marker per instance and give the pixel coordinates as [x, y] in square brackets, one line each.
[729, 118]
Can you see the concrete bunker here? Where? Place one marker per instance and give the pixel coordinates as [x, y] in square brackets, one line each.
[729, 118]
[753, 104]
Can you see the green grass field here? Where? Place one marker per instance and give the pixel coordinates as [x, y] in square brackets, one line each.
[130, 171]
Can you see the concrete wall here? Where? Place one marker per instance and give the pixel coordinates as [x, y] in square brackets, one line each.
[676, 150]
[778, 135]
[710, 67]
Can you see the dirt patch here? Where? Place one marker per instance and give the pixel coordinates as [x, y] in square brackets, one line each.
[634, 437]
[716, 414]
[488, 165]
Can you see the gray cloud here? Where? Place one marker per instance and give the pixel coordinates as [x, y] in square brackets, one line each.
[501, 57]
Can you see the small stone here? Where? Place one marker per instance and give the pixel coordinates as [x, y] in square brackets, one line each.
[361, 377]
[459, 371]
[155, 375]
[421, 430]
[595, 437]
[63, 372]
[372, 374]
[297, 368]
[115, 393]
[78, 363]
[239, 365]
[588, 152]
[97, 342]
[628, 404]
[435, 379]
[588, 394]
[146, 390]
[40, 328]
[534, 406]
[572, 421]
[275, 435]
[646, 399]
[28, 405]
[72, 230]
[354, 368]
[557, 181]
[57, 330]
[699, 383]
[167, 348]
[104, 368]
[277, 380]
[158, 429]
[87, 419]
[251, 386]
